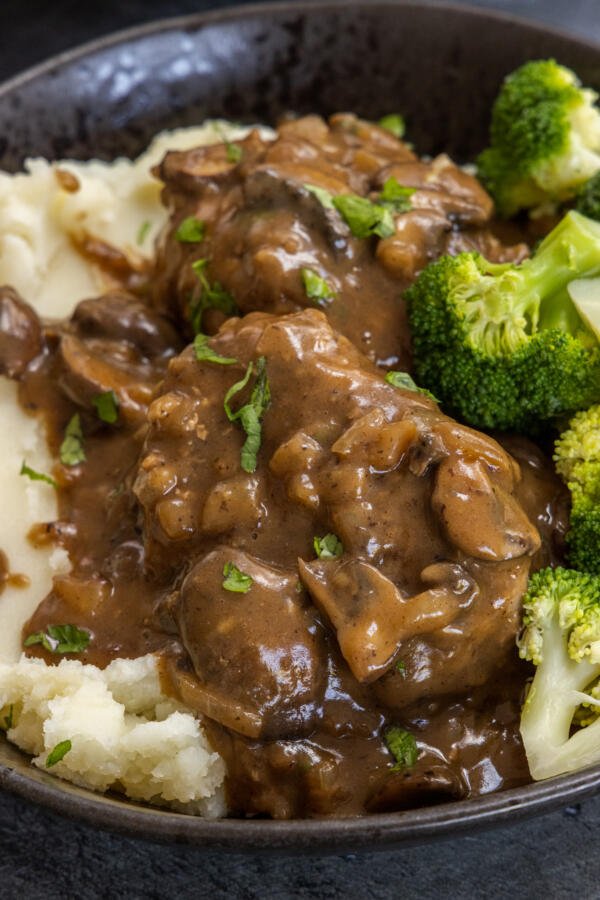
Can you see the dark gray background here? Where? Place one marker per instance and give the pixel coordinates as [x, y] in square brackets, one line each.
[44, 856]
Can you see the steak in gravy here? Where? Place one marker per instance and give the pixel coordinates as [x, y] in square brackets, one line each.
[315, 554]
[265, 223]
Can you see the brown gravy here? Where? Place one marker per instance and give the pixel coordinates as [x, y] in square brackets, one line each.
[297, 678]
[8, 578]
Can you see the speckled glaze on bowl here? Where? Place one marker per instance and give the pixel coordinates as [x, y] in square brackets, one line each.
[441, 67]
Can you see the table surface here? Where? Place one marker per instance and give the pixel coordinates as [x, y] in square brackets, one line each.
[45, 856]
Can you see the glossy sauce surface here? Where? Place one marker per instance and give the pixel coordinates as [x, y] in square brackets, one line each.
[413, 625]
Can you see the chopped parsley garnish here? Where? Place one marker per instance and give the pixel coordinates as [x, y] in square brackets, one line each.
[316, 287]
[36, 476]
[107, 406]
[395, 196]
[71, 450]
[404, 381]
[143, 231]
[234, 152]
[213, 296]
[236, 580]
[363, 217]
[60, 639]
[328, 547]
[7, 724]
[393, 123]
[191, 230]
[400, 666]
[205, 353]
[402, 746]
[251, 413]
[323, 196]
[57, 753]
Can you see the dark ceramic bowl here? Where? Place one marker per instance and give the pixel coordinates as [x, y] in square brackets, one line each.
[441, 67]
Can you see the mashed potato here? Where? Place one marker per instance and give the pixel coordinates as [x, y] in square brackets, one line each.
[118, 202]
[124, 733]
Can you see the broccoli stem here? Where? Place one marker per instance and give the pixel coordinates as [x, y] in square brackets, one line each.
[571, 250]
[550, 706]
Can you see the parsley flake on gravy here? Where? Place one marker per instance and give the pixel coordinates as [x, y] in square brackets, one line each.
[403, 381]
[205, 353]
[71, 450]
[328, 547]
[191, 230]
[363, 217]
[213, 296]
[107, 406]
[251, 413]
[403, 747]
[36, 476]
[396, 196]
[57, 753]
[60, 639]
[235, 580]
[316, 288]
[234, 152]
[394, 123]
[323, 196]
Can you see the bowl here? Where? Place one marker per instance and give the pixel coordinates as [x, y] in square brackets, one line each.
[440, 65]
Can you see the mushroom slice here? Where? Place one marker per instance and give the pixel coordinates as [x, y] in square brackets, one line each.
[370, 615]
[254, 644]
[271, 186]
[120, 317]
[20, 333]
[479, 516]
[89, 371]
[375, 441]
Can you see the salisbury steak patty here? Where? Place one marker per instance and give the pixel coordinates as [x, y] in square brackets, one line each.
[267, 220]
[420, 597]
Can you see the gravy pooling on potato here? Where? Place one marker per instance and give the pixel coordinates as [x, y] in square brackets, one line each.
[298, 675]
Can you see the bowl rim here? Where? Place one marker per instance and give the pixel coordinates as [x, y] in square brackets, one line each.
[325, 835]
[272, 8]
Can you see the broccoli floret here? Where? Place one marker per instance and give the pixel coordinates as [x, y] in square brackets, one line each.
[503, 345]
[544, 138]
[577, 458]
[589, 710]
[588, 198]
[561, 636]
[583, 538]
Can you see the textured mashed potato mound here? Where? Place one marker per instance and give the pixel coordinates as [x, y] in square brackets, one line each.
[24, 503]
[124, 733]
[118, 202]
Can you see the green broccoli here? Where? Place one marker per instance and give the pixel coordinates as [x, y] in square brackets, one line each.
[577, 458]
[561, 636]
[503, 345]
[544, 138]
[588, 198]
